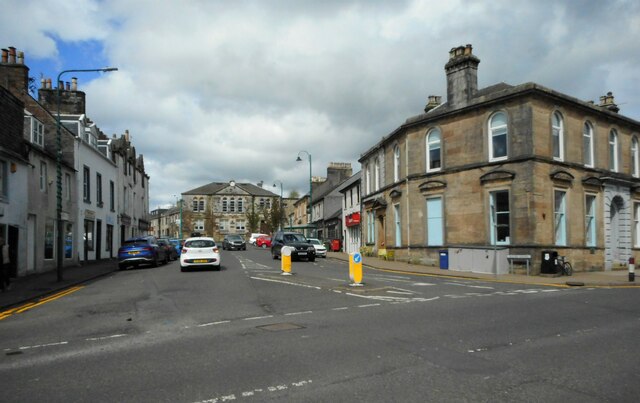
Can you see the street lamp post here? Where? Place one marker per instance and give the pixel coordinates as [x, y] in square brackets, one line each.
[281, 208]
[310, 186]
[179, 202]
[60, 235]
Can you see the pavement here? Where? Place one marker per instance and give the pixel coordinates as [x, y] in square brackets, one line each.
[41, 285]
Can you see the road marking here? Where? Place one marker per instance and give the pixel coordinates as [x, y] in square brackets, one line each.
[114, 336]
[257, 391]
[298, 313]
[400, 292]
[44, 345]
[367, 305]
[286, 282]
[259, 317]
[214, 323]
[422, 284]
[41, 301]
[342, 308]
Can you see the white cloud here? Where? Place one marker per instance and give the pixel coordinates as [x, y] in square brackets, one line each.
[213, 91]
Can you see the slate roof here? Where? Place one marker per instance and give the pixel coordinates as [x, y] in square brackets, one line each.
[215, 187]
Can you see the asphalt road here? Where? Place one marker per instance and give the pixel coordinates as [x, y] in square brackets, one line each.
[247, 333]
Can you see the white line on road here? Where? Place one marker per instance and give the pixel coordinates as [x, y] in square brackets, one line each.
[259, 317]
[114, 336]
[400, 292]
[367, 305]
[286, 282]
[44, 345]
[298, 313]
[342, 308]
[214, 323]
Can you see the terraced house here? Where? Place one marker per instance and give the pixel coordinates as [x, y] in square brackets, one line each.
[505, 170]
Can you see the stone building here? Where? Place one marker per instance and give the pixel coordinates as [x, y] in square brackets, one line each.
[218, 209]
[505, 170]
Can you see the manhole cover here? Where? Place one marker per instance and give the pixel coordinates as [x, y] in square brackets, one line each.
[279, 327]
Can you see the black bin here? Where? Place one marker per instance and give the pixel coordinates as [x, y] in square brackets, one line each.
[548, 264]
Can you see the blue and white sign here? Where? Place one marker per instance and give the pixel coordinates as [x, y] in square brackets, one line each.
[357, 258]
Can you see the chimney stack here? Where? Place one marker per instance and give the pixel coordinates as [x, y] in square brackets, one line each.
[5, 56]
[14, 76]
[606, 102]
[462, 76]
[434, 101]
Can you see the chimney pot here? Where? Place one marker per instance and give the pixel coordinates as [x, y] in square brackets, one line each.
[12, 55]
[43, 83]
[20, 57]
[5, 56]
[60, 85]
[74, 84]
[67, 86]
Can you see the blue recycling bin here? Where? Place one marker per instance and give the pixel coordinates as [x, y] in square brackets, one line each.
[444, 259]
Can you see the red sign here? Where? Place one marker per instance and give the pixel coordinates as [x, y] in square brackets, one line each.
[353, 219]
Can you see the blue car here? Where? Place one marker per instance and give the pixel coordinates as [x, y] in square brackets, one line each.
[141, 250]
[177, 243]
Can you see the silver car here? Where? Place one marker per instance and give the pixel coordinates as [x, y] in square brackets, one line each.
[321, 251]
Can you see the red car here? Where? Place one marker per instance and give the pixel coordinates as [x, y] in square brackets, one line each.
[263, 242]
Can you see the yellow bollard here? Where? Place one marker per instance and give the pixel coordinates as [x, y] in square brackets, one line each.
[355, 269]
[285, 258]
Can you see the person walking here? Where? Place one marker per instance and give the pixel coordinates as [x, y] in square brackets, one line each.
[5, 276]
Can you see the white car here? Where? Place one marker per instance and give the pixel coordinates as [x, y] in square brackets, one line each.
[321, 251]
[199, 252]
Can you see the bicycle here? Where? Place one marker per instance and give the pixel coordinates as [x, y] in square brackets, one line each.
[563, 266]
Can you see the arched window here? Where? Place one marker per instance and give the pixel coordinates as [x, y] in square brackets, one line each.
[201, 204]
[557, 135]
[367, 179]
[194, 205]
[587, 144]
[434, 154]
[261, 203]
[267, 203]
[232, 205]
[240, 206]
[396, 163]
[613, 150]
[225, 205]
[498, 137]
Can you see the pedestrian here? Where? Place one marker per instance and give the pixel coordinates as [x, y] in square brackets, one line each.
[5, 276]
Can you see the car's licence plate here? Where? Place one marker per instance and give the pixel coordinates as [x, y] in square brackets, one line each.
[135, 252]
[302, 253]
[200, 261]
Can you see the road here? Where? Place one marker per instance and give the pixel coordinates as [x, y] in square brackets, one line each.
[247, 333]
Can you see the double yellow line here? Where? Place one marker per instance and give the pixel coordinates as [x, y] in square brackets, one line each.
[44, 300]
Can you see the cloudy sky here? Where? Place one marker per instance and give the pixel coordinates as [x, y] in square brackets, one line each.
[220, 90]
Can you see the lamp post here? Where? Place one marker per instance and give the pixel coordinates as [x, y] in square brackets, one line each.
[281, 208]
[180, 201]
[60, 235]
[310, 186]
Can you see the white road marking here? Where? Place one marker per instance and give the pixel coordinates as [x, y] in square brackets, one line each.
[400, 292]
[259, 317]
[298, 313]
[44, 345]
[214, 323]
[367, 305]
[105, 337]
[342, 308]
[286, 282]
[255, 392]
[422, 284]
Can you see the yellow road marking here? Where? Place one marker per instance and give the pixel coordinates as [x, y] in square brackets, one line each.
[41, 301]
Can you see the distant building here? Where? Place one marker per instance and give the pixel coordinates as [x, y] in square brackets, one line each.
[351, 230]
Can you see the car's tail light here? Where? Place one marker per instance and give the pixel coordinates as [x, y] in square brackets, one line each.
[184, 251]
[215, 250]
[147, 248]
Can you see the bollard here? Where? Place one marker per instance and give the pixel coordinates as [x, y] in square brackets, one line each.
[285, 258]
[632, 269]
[355, 269]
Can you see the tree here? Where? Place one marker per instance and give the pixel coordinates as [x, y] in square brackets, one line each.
[294, 194]
[274, 216]
[253, 217]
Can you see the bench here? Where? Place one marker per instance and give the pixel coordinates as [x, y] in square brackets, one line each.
[518, 258]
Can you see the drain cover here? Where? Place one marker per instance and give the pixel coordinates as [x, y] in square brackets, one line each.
[279, 327]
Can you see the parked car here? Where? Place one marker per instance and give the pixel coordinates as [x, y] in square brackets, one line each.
[263, 242]
[321, 250]
[177, 244]
[231, 242]
[254, 236]
[200, 252]
[301, 246]
[141, 250]
[170, 250]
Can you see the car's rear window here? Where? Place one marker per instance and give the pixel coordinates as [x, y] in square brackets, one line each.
[136, 242]
[235, 238]
[199, 243]
[294, 238]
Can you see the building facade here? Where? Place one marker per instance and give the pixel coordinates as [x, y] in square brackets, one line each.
[505, 170]
[351, 230]
[218, 209]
